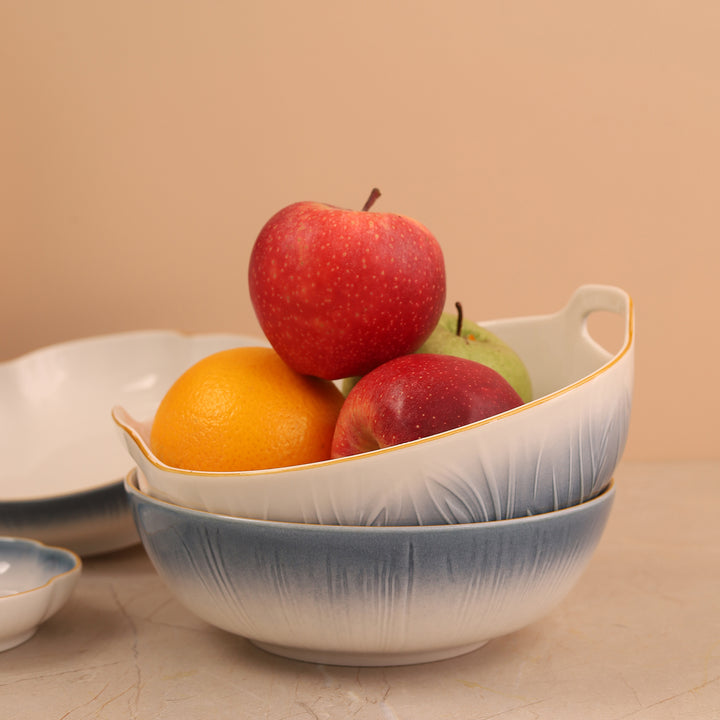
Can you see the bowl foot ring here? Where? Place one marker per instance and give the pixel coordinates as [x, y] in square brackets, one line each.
[367, 659]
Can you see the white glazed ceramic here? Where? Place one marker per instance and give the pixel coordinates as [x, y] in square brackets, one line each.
[368, 595]
[35, 582]
[556, 451]
[62, 470]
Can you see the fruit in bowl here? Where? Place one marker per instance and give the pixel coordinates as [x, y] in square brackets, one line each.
[454, 335]
[416, 396]
[558, 450]
[245, 409]
[338, 292]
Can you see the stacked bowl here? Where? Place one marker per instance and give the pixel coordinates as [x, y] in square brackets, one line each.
[416, 552]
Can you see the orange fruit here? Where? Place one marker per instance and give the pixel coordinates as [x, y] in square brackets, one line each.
[244, 409]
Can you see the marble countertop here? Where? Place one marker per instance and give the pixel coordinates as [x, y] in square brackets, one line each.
[638, 637]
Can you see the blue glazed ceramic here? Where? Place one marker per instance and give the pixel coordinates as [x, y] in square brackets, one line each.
[35, 582]
[368, 595]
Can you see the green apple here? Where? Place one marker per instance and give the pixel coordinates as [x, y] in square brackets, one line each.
[455, 336]
[458, 337]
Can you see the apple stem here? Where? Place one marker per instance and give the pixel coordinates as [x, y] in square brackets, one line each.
[458, 330]
[374, 195]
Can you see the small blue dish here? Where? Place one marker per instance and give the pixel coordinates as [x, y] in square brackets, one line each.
[35, 582]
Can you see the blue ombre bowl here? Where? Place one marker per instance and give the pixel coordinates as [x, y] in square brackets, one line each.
[364, 595]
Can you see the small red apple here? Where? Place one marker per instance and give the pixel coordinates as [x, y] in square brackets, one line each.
[415, 396]
[338, 292]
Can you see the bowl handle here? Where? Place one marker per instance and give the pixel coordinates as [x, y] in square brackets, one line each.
[588, 299]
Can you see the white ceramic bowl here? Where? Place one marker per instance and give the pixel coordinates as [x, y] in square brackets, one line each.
[35, 582]
[62, 470]
[554, 452]
[368, 595]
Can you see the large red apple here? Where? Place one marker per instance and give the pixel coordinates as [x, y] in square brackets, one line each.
[338, 292]
[416, 396]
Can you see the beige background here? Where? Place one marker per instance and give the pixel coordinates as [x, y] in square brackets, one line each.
[144, 143]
